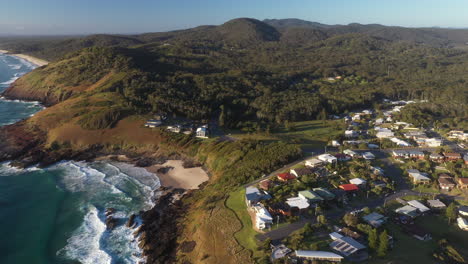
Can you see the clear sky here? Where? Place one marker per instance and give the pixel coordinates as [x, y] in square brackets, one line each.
[135, 16]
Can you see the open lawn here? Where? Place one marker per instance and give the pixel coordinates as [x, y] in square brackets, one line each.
[308, 134]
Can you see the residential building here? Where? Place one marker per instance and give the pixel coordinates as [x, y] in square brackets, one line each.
[175, 128]
[418, 177]
[327, 158]
[462, 223]
[349, 248]
[285, 177]
[342, 157]
[254, 195]
[299, 172]
[324, 193]
[463, 210]
[310, 196]
[318, 256]
[368, 156]
[377, 170]
[416, 154]
[351, 153]
[399, 142]
[379, 183]
[351, 134]
[452, 156]
[298, 202]
[436, 157]
[408, 210]
[465, 159]
[436, 204]
[314, 162]
[385, 133]
[417, 232]
[421, 207]
[265, 184]
[349, 187]
[358, 181]
[446, 182]
[375, 219]
[400, 154]
[463, 183]
[335, 235]
[335, 143]
[356, 117]
[202, 132]
[152, 123]
[433, 142]
[279, 251]
[263, 218]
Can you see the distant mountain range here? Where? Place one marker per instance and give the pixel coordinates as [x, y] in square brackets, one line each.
[240, 32]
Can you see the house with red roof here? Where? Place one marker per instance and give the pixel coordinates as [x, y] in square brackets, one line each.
[285, 177]
[349, 187]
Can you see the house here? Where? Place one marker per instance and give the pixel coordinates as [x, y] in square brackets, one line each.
[335, 235]
[285, 177]
[414, 134]
[417, 204]
[342, 157]
[349, 248]
[436, 157]
[265, 184]
[465, 159]
[418, 177]
[385, 133]
[313, 163]
[324, 193]
[463, 210]
[379, 121]
[372, 146]
[202, 132]
[368, 156]
[310, 196]
[349, 187]
[351, 134]
[452, 156]
[446, 182]
[463, 183]
[379, 183]
[436, 204]
[327, 158]
[417, 232]
[416, 154]
[152, 123]
[174, 129]
[408, 210]
[375, 219]
[279, 251]
[347, 119]
[400, 154]
[358, 181]
[377, 170]
[351, 153]
[299, 172]
[399, 142]
[335, 143]
[318, 256]
[433, 142]
[254, 195]
[462, 223]
[356, 117]
[298, 202]
[263, 218]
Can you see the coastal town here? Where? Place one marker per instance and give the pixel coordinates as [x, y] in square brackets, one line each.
[382, 176]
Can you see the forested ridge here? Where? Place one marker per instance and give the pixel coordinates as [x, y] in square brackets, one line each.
[247, 71]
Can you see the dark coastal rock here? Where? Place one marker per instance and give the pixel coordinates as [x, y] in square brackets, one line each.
[190, 163]
[149, 161]
[131, 221]
[110, 211]
[165, 169]
[161, 222]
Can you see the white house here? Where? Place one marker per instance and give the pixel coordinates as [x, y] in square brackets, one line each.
[358, 181]
[202, 132]
[335, 143]
[417, 176]
[462, 223]
[368, 156]
[417, 204]
[263, 218]
[351, 153]
[314, 162]
[351, 133]
[384, 133]
[356, 117]
[433, 142]
[327, 158]
[400, 142]
[379, 121]
[152, 123]
[298, 202]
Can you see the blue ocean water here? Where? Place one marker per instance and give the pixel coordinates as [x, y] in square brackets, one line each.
[56, 214]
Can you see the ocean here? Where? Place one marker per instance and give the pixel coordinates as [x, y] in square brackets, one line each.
[57, 214]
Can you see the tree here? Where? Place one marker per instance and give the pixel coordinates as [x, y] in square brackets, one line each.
[322, 219]
[383, 244]
[373, 239]
[350, 219]
[451, 212]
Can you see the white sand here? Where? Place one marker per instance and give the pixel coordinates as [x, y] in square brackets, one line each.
[180, 177]
[31, 59]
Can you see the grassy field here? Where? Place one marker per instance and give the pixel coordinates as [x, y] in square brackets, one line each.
[245, 236]
[308, 134]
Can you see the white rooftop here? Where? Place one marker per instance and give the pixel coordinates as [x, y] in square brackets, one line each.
[419, 205]
[298, 202]
[317, 254]
[357, 181]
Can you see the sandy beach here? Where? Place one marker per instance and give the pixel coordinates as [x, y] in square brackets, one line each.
[31, 59]
[178, 176]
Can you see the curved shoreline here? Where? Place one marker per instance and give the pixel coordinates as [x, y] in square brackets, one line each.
[36, 61]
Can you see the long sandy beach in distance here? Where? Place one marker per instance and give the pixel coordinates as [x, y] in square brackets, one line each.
[31, 59]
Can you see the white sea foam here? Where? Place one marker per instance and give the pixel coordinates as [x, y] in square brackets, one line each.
[7, 170]
[12, 80]
[85, 244]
